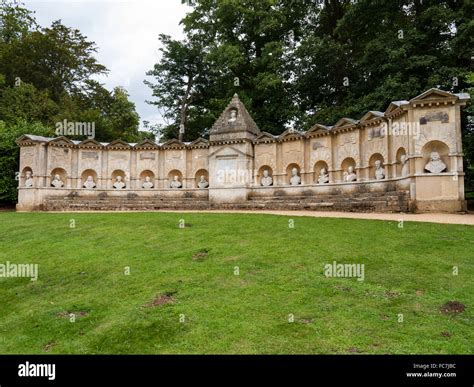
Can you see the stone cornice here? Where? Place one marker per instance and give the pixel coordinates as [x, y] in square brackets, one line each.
[230, 141]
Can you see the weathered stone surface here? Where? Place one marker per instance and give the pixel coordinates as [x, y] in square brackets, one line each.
[408, 158]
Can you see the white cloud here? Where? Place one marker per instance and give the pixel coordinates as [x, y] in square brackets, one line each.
[126, 34]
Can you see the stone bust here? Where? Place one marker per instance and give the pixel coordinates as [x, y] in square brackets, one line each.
[323, 176]
[295, 179]
[147, 184]
[175, 183]
[57, 182]
[266, 180]
[203, 183]
[379, 171]
[350, 175]
[405, 165]
[435, 165]
[232, 115]
[119, 184]
[89, 183]
[28, 179]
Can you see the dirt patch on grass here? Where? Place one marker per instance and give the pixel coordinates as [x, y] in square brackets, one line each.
[48, 346]
[419, 292]
[445, 334]
[159, 300]
[452, 307]
[200, 255]
[306, 320]
[354, 350]
[391, 294]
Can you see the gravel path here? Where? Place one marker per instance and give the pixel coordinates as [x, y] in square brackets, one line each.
[467, 219]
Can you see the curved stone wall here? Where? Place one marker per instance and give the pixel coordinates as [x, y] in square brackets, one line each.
[414, 146]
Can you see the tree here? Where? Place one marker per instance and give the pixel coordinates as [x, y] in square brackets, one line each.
[180, 78]
[467, 124]
[45, 77]
[376, 52]
[58, 59]
[27, 103]
[235, 47]
[15, 21]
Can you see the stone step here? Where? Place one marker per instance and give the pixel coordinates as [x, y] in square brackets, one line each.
[365, 202]
[125, 199]
[333, 196]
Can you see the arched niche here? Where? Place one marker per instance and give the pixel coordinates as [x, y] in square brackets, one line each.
[431, 147]
[400, 153]
[171, 177]
[85, 175]
[121, 173]
[317, 169]
[198, 174]
[61, 172]
[25, 173]
[143, 178]
[375, 157]
[260, 173]
[346, 163]
[289, 169]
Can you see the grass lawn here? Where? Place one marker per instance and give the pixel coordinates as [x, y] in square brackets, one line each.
[183, 294]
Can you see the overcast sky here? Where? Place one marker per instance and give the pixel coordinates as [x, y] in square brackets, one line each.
[126, 34]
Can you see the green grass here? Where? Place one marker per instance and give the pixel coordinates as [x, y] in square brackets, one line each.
[81, 270]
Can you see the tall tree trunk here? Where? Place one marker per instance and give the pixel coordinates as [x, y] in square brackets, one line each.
[184, 109]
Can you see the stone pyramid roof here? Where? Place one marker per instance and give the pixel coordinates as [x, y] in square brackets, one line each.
[235, 120]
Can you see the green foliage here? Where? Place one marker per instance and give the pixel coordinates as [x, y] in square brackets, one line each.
[56, 59]
[45, 78]
[15, 21]
[27, 103]
[386, 50]
[9, 154]
[467, 124]
[295, 63]
[234, 46]
[181, 77]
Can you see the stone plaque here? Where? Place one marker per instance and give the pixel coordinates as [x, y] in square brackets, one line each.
[147, 156]
[90, 155]
[119, 156]
[435, 116]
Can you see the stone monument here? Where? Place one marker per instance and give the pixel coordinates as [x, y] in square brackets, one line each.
[249, 168]
[435, 165]
[350, 175]
[89, 183]
[203, 183]
[323, 176]
[57, 182]
[379, 171]
[266, 180]
[28, 179]
[175, 183]
[119, 184]
[147, 184]
[295, 178]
